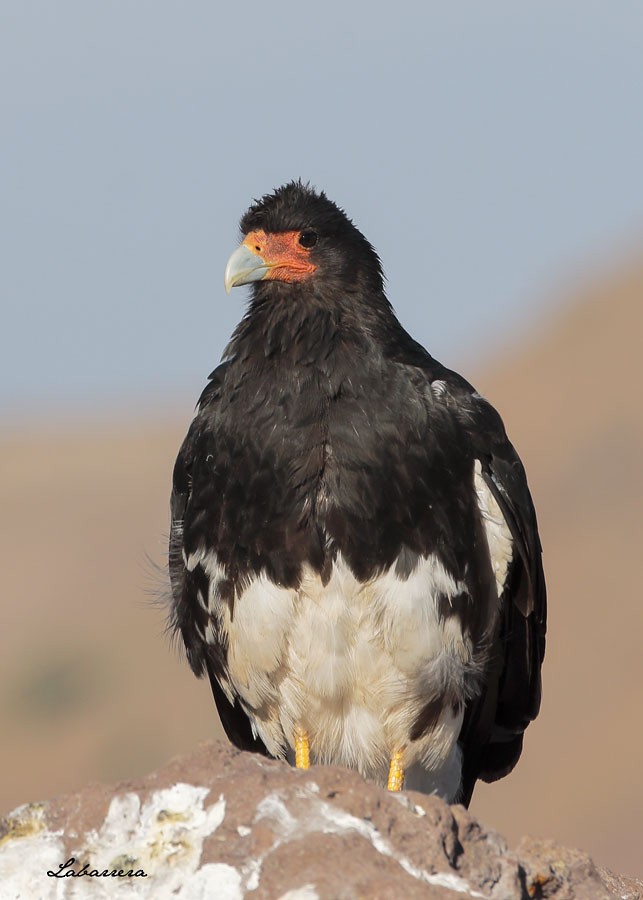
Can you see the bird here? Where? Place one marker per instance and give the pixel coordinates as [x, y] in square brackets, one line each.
[354, 554]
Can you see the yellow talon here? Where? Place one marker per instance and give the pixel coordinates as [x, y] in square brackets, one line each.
[396, 772]
[302, 750]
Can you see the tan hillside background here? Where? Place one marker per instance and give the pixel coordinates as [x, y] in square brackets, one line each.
[89, 688]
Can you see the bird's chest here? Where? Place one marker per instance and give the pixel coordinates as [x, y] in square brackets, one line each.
[315, 469]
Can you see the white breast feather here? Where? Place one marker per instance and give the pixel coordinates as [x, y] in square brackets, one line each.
[352, 663]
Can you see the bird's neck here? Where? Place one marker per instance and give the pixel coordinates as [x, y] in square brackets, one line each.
[291, 327]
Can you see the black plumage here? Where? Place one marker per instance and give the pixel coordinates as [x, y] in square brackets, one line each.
[328, 433]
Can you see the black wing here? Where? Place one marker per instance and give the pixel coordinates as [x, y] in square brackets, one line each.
[492, 733]
[188, 617]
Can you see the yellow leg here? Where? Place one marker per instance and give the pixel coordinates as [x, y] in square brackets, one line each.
[396, 772]
[302, 750]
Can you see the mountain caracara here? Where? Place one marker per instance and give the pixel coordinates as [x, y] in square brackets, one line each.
[354, 554]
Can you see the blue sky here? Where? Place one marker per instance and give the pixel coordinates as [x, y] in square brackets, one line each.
[491, 152]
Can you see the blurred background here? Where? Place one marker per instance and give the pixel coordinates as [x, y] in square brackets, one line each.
[492, 153]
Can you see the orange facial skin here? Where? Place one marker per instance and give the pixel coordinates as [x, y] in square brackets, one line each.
[286, 259]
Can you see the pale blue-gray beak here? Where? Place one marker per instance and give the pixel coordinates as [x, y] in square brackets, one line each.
[244, 267]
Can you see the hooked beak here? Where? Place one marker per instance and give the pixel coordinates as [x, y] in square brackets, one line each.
[244, 267]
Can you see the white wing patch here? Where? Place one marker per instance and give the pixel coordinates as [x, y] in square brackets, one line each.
[439, 388]
[497, 531]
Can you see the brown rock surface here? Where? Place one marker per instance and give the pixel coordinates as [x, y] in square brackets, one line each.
[225, 824]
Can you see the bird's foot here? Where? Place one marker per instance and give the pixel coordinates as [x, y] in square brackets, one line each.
[396, 772]
[302, 750]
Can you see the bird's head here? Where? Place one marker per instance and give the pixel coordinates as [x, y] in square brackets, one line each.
[296, 236]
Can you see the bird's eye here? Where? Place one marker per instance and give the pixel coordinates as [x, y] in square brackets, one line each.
[308, 239]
